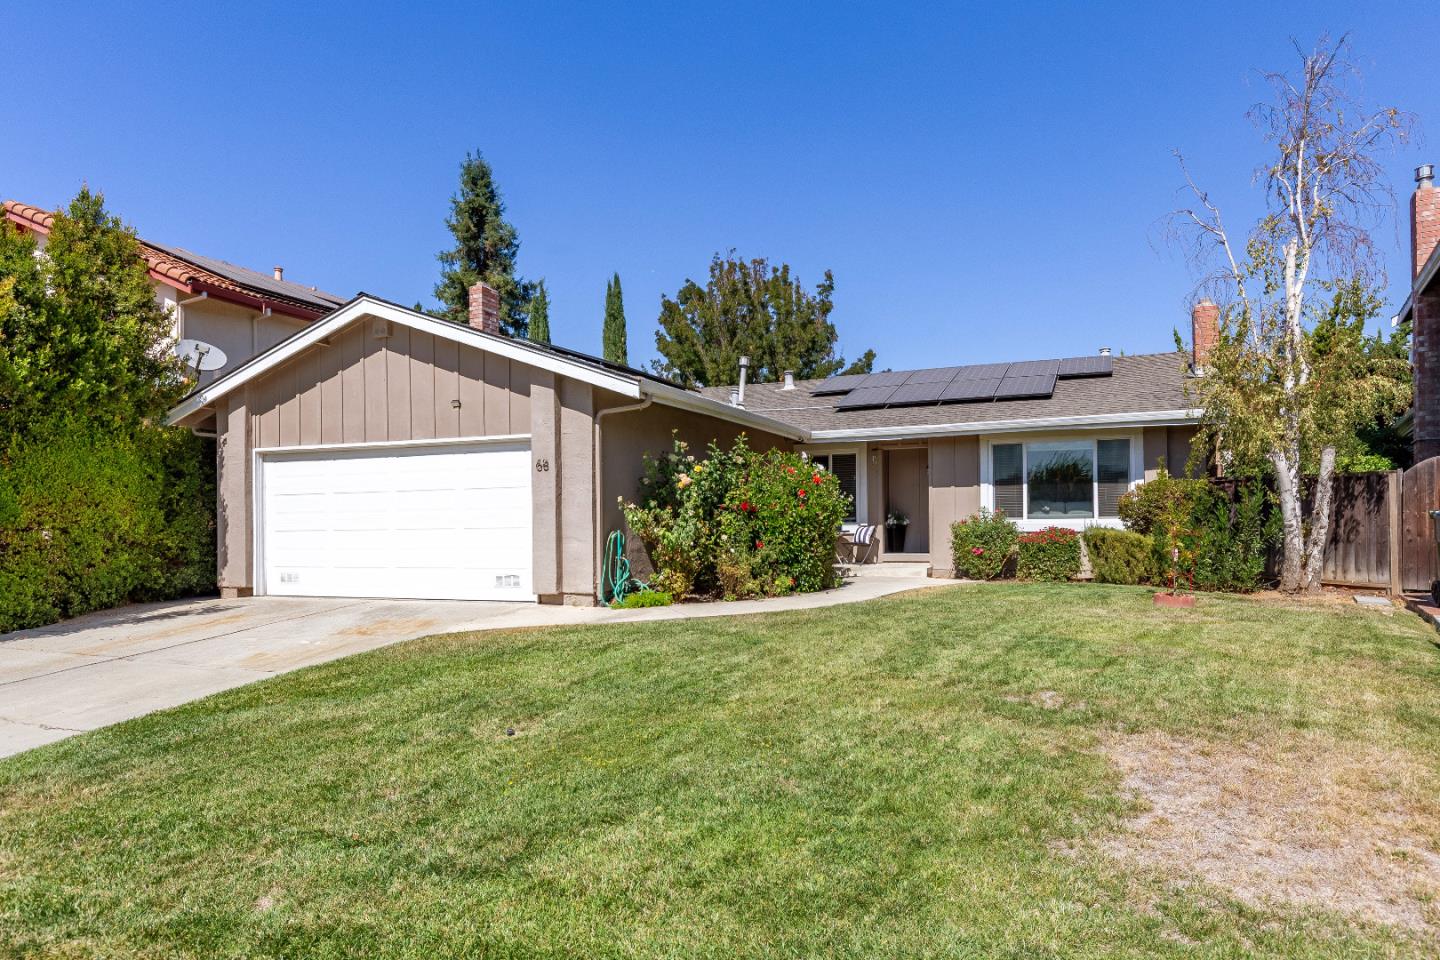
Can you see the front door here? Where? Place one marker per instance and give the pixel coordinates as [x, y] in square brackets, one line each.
[907, 491]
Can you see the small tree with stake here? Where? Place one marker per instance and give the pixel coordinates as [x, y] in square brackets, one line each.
[1271, 396]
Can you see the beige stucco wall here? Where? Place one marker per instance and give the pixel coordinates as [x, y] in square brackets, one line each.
[239, 331]
[626, 438]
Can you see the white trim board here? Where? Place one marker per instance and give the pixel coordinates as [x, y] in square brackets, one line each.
[1155, 418]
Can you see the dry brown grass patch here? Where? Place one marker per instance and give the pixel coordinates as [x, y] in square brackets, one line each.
[1302, 820]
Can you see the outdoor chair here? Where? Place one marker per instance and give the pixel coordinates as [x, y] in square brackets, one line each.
[861, 544]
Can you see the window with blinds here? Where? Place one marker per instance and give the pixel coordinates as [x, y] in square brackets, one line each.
[1064, 476]
[844, 466]
[1008, 478]
[1112, 474]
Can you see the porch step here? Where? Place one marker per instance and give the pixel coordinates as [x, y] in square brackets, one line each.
[907, 568]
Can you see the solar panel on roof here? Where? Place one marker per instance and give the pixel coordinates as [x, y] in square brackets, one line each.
[1097, 366]
[914, 394]
[972, 389]
[1033, 368]
[1011, 388]
[889, 378]
[838, 384]
[865, 397]
[982, 371]
[933, 375]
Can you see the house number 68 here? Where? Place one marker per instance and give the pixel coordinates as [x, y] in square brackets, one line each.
[542, 466]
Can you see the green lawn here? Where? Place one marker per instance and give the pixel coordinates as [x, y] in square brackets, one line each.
[923, 776]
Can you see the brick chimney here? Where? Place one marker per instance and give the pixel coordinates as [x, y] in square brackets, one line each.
[1204, 330]
[485, 308]
[1425, 336]
[1424, 218]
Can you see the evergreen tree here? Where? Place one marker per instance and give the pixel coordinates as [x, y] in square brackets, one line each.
[486, 246]
[613, 336]
[540, 315]
[79, 325]
[754, 309]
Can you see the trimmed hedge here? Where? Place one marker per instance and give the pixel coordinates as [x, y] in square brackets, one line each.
[91, 518]
[982, 544]
[1120, 556]
[1051, 554]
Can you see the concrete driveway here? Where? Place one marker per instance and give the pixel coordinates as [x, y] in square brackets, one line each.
[110, 666]
[105, 667]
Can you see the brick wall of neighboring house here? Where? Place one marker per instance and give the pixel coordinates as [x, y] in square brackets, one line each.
[1424, 236]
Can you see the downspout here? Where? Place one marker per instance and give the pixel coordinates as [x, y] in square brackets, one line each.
[180, 313]
[595, 481]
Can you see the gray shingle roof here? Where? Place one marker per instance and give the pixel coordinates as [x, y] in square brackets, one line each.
[1140, 384]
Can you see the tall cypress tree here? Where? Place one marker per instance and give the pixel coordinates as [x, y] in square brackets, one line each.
[613, 336]
[486, 246]
[540, 315]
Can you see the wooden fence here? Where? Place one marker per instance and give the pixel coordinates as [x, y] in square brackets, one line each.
[1380, 534]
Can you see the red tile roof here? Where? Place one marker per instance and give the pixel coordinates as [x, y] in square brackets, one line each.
[235, 284]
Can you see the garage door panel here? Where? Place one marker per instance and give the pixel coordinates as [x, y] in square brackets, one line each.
[424, 522]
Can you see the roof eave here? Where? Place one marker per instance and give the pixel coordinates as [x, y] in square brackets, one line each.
[1151, 418]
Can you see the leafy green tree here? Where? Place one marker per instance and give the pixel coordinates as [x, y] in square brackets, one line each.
[613, 337]
[486, 246]
[540, 314]
[750, 308]
[1289, 383]
[80, 329]
[99, 503]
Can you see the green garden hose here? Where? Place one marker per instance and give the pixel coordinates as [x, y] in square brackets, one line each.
[615, 570]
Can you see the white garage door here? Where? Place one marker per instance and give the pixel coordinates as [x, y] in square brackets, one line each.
[432, 522]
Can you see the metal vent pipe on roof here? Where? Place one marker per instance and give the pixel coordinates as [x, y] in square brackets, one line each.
[1104, 351]
[744, 370]
[279, 273]
[789, 380]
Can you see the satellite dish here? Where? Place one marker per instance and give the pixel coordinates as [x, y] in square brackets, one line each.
[200, 355]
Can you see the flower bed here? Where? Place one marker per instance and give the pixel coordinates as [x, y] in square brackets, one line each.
[1049, 554]
[738, 523]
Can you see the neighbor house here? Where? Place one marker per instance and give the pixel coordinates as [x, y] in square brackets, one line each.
[238, 310]
[382, 452]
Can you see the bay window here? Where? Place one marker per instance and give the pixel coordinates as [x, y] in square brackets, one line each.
[1060, 480]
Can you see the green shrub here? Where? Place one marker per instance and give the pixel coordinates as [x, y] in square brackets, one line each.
[1233, 538]
[1202, 539]
[91, 518]
[982, 544]
[1049, 554]
[738, 523]
[1120, 556]
[644, 598]
[1143, 508]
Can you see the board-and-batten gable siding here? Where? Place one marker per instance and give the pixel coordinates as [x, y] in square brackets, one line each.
[367, 389]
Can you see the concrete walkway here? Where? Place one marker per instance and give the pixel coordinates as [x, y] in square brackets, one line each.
[111, 666]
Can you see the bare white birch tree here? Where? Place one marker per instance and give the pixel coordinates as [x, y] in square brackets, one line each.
[1268, 395]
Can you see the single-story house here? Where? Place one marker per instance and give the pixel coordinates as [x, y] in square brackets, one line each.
[238, 310]
[384, 452]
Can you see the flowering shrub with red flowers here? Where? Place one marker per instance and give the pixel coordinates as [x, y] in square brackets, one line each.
[739, 523]
[982, 544]
[1049, 554]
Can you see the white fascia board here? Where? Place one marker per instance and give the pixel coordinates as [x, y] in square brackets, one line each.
[687, 400]
[1154, 418]
[626, 386]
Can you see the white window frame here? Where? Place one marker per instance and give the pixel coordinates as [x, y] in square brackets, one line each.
[987, 486]
[861, 473]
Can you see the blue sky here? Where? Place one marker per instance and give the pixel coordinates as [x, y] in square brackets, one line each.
[984, 181]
